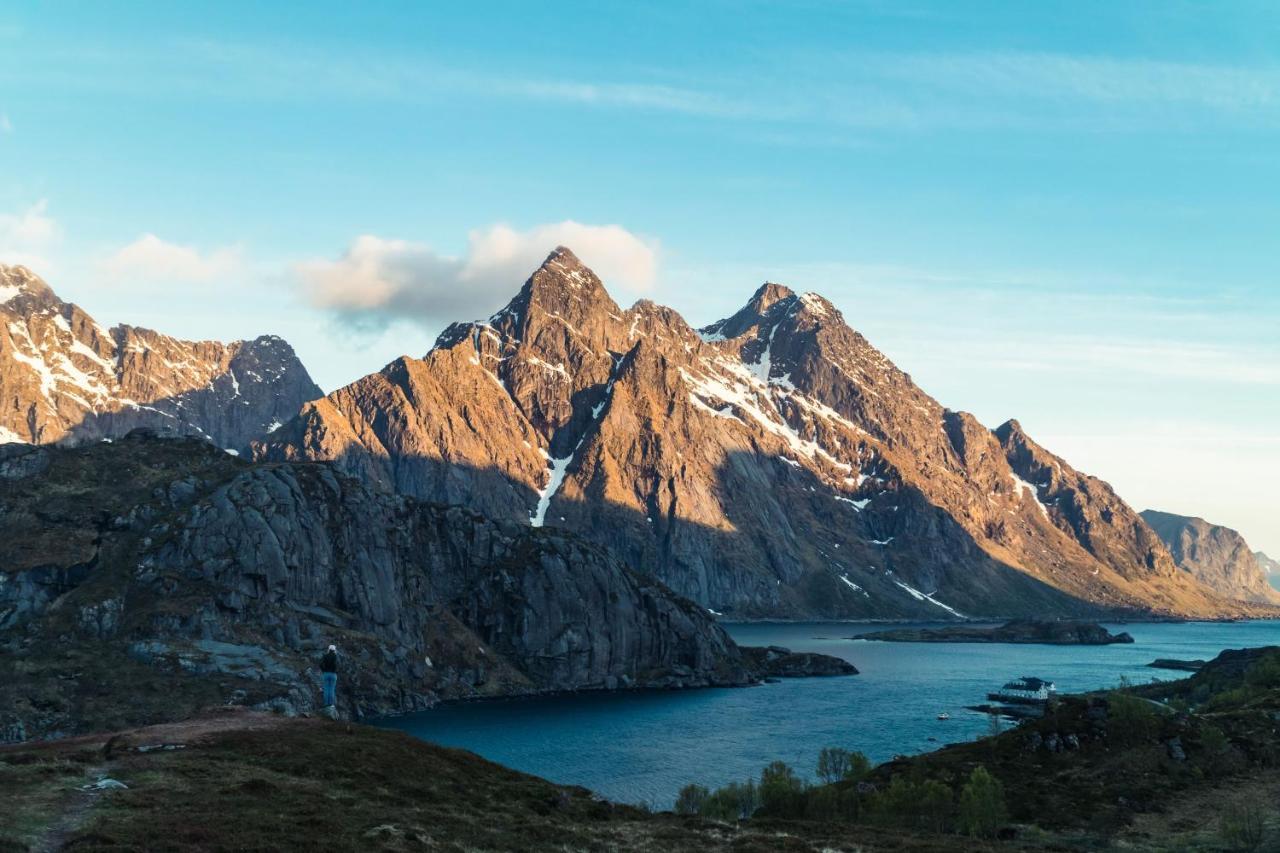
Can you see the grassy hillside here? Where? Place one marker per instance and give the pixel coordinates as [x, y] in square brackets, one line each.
[249, 781]
[1186, 765]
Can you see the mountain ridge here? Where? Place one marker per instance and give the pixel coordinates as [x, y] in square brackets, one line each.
[771, 464]
[64, 377]
[1215, 554]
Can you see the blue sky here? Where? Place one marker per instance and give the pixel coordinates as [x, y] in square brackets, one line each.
[1066, 213]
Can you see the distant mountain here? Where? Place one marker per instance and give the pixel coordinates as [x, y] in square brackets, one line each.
[772, 464]
[1270, 567]
[1217, 556]
[63, 377]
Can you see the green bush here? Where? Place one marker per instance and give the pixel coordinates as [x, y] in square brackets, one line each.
[1229, 700]
[781, 790]
[829, 803]
[859, 767]
[925, 804]
[1265, 673]
[1130, 720]
[691, 799]
[896, 804]
[1242, 825]
[934, 806]
[735, 801]
[982, 810]
[836, 764]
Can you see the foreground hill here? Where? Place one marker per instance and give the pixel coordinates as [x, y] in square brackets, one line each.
[64, 377]
[1216, 556]
[295, 784]
[772, 464]
[145, 578]
[1186, 765]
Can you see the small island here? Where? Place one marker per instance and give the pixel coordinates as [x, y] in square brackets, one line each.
[773, 662]
[1016, 631]
[1173, 663]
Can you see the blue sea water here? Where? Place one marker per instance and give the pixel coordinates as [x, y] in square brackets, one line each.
[644, 746]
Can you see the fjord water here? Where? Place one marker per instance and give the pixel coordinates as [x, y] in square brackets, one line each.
[643, 747]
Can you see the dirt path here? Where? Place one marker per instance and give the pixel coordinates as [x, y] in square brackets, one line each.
[75, 810]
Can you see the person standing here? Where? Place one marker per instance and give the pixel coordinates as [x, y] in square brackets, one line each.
[329, 676]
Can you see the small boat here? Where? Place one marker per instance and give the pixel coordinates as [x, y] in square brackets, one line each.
[944, 716]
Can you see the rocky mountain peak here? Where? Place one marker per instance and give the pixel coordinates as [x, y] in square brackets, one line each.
[769, 303]
[63, 377]
[563, 274]
[562, 290]
[767, 295]
[1011, 433]
[16, 281]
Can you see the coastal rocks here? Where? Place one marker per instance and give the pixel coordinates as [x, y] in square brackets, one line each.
[1018, 631]
[1174, 749]
[1052, 742]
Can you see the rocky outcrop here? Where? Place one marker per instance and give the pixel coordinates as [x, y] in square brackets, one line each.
[780, 662]
[1018, 631]
[169, 554]
[773, 464]
[1216, 556]
[63, 377]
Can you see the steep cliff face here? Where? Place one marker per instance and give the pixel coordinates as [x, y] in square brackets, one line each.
[772, 464]
[1217, 556]
[176, 556]
[63, 377]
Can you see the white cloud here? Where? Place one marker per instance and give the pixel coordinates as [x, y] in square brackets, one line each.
[378, 280]
[6, 126]
[150, 258]
[26, 237]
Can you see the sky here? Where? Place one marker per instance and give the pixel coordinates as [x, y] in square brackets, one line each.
[1067, 213]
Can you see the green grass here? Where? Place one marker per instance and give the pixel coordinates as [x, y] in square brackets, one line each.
[319, 785]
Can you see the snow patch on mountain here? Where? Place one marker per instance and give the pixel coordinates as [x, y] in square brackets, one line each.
[924, 596]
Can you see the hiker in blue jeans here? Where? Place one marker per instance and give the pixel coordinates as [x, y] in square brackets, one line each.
[329, 676]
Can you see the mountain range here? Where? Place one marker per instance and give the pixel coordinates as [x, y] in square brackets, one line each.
[771, 465]
[1215, 555]
[65, 377]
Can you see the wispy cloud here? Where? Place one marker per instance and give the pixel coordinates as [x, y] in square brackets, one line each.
[1088, 78]
[152, 260]
[816, 94]
[27, 236]
[376, 280]
[6, 126]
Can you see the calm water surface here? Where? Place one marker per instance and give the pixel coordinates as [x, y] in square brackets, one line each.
[643, 747]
